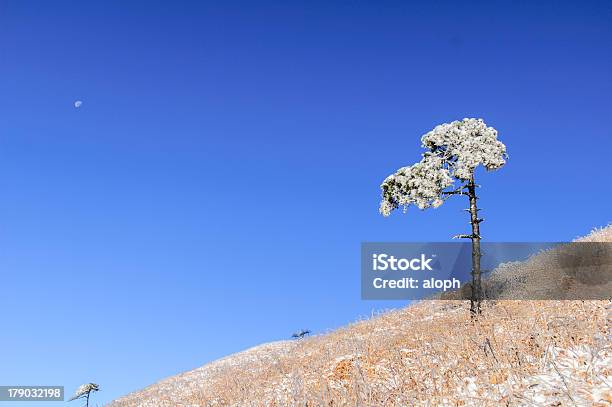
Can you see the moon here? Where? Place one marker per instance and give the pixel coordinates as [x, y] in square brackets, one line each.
[78, 103]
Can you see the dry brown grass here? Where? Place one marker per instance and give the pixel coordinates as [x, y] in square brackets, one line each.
[533, 353]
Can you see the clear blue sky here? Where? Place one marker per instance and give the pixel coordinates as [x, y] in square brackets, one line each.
[212, 191]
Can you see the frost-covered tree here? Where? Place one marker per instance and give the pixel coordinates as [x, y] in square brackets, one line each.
[454, 150]
[84, 391]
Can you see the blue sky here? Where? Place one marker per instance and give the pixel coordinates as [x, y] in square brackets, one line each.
[212, 191]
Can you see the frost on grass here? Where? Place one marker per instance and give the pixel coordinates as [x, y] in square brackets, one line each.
[517, 353]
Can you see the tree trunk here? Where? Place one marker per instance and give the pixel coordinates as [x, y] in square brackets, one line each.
[476, 297]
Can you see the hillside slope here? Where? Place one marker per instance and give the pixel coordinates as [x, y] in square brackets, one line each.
[432, 353]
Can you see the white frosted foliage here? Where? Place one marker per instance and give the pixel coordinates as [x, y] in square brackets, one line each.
[454, 151]
[84, 390]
